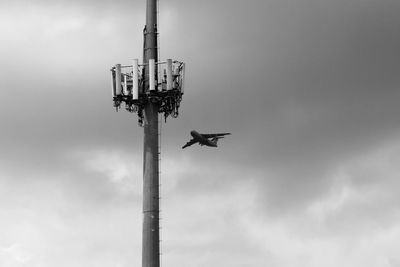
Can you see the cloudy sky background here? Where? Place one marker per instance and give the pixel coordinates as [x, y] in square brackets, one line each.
[310, 176]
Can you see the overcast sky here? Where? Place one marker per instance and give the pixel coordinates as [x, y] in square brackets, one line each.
[309, 176]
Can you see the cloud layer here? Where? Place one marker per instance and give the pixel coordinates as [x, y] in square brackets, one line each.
[308, 88]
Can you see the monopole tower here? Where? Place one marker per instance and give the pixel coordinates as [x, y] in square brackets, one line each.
[149, 88]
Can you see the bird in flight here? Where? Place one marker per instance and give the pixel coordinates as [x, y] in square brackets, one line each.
[205, 139]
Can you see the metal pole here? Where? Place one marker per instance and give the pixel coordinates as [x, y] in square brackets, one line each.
[151, 233]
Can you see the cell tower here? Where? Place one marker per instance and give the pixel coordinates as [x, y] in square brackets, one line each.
[148, 89]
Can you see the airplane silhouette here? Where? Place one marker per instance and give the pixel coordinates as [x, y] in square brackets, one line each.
[204, 139]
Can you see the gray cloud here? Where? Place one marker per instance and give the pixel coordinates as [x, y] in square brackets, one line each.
[301, 89]
[306, 87]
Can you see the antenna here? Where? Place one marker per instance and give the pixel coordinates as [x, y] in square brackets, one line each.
[131, 87]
